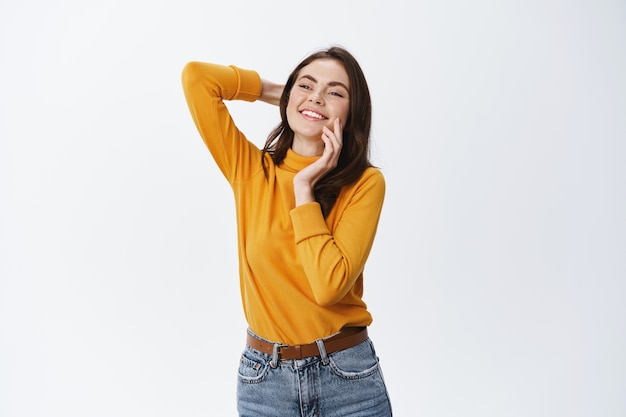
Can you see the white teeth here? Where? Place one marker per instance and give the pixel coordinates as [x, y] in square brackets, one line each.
[313, 114]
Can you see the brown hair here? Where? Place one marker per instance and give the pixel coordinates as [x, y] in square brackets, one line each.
[354, 156]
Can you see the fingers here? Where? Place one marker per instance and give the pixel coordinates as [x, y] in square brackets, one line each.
[333, 141]
[335, 136]
[332, 147]
[338, 128]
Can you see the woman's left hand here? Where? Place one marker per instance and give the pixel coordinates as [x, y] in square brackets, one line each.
[305, 180]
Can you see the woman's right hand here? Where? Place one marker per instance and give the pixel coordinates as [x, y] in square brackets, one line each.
[271, 92]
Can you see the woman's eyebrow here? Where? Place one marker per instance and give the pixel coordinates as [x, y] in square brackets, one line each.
[332, 83]
[338, 83]
[308, 77]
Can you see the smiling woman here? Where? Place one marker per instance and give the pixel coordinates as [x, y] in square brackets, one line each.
[308, 206]
[319, 98]
[333, 67]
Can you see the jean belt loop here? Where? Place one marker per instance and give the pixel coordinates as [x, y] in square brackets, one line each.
[322, 349]
[274, 361]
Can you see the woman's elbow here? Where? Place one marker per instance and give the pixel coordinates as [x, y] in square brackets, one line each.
[190, 72]
[328, 295]
[326, 298]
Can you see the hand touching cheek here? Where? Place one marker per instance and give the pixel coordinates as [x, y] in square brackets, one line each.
[305, 180]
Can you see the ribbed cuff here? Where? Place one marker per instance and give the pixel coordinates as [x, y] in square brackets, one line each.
[308, 221]
[248, 84]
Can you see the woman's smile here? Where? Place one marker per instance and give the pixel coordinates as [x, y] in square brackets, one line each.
[312, 114]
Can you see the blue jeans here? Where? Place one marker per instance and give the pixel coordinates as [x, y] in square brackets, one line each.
[344, 383]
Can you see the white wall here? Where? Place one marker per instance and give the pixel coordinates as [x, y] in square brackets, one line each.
[498, 276]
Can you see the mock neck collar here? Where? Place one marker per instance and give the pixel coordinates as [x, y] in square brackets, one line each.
[295, 162]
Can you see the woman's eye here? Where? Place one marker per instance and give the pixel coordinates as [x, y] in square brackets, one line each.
[304, 86]
[336, 93]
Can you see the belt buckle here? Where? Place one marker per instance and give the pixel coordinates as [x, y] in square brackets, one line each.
[276, 353]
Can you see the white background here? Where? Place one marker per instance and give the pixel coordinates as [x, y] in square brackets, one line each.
[497, 280]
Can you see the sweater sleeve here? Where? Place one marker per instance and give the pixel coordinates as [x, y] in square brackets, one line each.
[333, 261]
[206, 86]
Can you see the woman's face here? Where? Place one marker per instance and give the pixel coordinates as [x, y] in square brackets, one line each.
[320, 95]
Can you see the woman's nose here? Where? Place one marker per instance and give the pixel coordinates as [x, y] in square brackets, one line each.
[316, 97]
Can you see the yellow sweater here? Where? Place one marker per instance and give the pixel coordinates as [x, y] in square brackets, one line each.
[301, 275]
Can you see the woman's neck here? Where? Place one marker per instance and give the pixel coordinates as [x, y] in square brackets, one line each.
[306, 147]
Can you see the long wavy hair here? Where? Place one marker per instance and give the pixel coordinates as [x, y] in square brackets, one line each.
[354, 156]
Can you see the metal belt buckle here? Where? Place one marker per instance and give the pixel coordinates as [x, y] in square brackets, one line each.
[275, 354]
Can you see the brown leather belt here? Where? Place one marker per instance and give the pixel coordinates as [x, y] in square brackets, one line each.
[345, 339]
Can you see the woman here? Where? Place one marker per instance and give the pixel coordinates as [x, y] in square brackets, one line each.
[308, 206]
